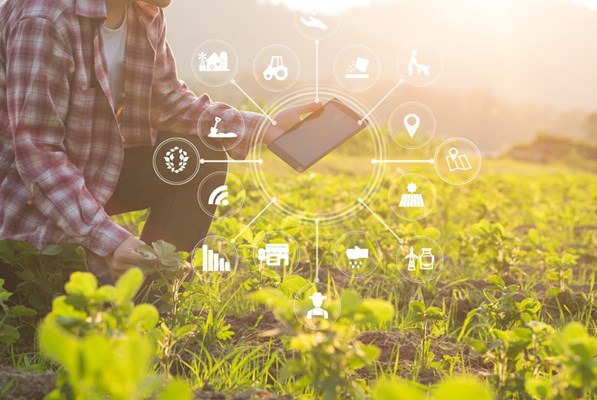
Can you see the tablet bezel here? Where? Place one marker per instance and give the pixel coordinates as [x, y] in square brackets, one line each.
[294, 163]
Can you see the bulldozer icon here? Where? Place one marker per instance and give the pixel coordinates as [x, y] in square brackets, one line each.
[276, 69]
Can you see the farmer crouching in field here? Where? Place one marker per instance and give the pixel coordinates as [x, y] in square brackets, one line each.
[88, 89]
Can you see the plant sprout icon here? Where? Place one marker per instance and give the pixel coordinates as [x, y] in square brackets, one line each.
[179, 165]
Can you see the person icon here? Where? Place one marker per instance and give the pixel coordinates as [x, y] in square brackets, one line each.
[414, 66]
[317, 298]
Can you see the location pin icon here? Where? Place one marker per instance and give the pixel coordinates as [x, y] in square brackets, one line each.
[411, 123]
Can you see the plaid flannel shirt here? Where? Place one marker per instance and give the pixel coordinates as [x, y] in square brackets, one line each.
[61, 144]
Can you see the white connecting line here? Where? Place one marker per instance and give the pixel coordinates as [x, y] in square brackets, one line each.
[396, 86]
[202, 161]
[362, 202]
[316, 251]
[430, 161]
[317, 71]
[273, 200]
[233, 83]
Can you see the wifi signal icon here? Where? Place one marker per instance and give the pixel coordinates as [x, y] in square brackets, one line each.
[219, 196]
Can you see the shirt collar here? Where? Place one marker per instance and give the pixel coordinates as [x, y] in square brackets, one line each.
[90, 8]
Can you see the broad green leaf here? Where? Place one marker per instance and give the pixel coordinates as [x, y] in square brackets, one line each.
[144, 315]
[128, 285]
[496, 280]
[463, 388]
[83, 283]
[177, 390]
[21, 311]
[538, 388]
[396, 390]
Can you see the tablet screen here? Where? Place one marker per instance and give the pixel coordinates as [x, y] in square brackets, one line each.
[317, 135]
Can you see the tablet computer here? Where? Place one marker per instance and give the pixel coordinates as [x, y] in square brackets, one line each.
[317, 135]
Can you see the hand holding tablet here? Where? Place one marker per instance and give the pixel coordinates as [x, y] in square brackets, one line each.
[317, 135]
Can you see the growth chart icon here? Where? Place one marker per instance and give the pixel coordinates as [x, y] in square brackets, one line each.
[214, 262]
[219, 196]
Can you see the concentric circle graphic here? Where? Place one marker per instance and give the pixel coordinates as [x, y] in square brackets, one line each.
[287, 189]
[176, 161]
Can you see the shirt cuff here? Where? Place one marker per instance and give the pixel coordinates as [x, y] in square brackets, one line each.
[253, 122]
[106, 237]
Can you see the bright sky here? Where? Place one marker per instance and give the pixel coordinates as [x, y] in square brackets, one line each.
[335, 6]
[592, 4]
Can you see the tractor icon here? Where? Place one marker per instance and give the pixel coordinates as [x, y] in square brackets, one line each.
[276, 69]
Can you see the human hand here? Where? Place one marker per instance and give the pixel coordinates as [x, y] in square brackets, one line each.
[125, 257]
[287, 118]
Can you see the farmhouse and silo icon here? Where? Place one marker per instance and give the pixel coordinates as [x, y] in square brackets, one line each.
[216, 62]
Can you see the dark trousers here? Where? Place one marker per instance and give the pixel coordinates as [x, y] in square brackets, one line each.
[175, 214]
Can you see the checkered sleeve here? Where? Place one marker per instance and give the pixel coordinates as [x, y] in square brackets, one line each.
[176, 108]
[38, 95]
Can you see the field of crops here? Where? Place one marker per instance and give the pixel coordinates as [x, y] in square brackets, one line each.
[512, 314]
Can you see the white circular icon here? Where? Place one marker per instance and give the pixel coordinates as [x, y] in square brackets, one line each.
[221, 195]
[221, 127]
[458, 161]
[176, 161]
[316, 306]
[215, 259]
[316, 25]
[357, 68]
[412, 197]
[277, 68]
[412, 125]
[357, 254]
[420, 63]
[277, 251]
[420, 259]
[215, 63]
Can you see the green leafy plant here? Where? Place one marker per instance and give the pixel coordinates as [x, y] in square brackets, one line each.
[327, 358]
[104, 343]
[43, 272]
[11, 316]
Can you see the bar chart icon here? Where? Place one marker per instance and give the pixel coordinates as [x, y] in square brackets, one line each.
[213, 262]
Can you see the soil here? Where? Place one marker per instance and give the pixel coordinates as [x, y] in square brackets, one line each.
[23, 385]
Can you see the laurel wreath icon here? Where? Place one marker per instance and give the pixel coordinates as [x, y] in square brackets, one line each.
[176, 160]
